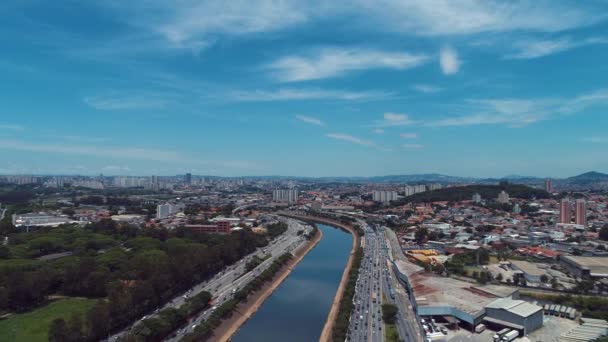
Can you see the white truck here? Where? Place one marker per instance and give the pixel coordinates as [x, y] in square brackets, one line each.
[510, 336]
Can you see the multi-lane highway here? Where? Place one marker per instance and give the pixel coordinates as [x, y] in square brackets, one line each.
[375, 279]
[233, 277]
[366, 318]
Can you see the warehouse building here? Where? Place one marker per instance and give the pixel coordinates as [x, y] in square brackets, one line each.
[516, 314]
[529, 270]
[434, 295]
[585, 267]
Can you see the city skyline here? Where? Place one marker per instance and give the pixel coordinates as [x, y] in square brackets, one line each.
[478, 88]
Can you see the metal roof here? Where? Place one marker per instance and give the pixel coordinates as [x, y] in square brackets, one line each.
[517, 307]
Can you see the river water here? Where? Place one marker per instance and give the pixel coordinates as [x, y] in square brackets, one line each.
[297, 310]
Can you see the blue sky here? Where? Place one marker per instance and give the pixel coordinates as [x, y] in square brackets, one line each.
[306, 88]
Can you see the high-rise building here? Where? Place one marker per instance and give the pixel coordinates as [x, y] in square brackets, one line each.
[384, 196]
[503, 197]
[580, 212]
[168, 209]
[564, 211]
[285, 195]
[516, 209]
[476, 198]
[548, 185]
[188, 179]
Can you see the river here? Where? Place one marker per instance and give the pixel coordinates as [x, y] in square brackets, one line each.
[297, 310]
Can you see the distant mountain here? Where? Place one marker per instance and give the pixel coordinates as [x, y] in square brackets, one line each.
[420, 178]
[588, 177]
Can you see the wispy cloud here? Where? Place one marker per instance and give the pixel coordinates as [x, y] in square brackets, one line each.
[97, 151]
[521, 112]
[286, 94]
[446, 17]
[80, 138]
[449, 61]
[408, 135]
[378, 131]
[120, 152]
[331, 62]
[596, 139]
[194, 21]
[129, 101]
[394, 119]
[310, 120]
[349, 138]
[412, 146]
[12, 127]
[528, 49]
[426, 88]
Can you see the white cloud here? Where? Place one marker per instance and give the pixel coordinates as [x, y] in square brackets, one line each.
[521, 112]
[413, 146]
[286, 94]
[378, 131]
[426, 88]
[349, 138]
[408, 135]
[310, 120]
[333, 62]
[96, 151]
[137, 100]
[12, 127]
[528, 49]
[449, 17]
[116, 168]
[121, 152]
[596, 139]
[448, 60]
[394, 119]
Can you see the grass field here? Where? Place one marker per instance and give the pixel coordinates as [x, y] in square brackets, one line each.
[33, 326]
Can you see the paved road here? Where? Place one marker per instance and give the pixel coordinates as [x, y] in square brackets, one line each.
[366, 318]
[376, 277]
[231, 277]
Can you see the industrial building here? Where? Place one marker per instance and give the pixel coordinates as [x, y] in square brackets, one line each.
[585, 267]
[434, 295]
[516, 314]
[220, 227]
[530, 271]
[40, 219]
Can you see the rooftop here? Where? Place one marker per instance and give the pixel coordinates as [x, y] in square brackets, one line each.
[517, 307]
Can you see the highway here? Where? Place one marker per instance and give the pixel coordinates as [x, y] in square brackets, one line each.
[366, 318]
[231, 277]
[376, 277]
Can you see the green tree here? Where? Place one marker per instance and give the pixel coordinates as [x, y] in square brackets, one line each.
[98, 319]
[544, 278]
[389, 313]
[75, 332]
[58, 331]
[499, 277]
[5, 252]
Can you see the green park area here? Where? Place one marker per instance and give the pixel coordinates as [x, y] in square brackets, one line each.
[34, 325]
